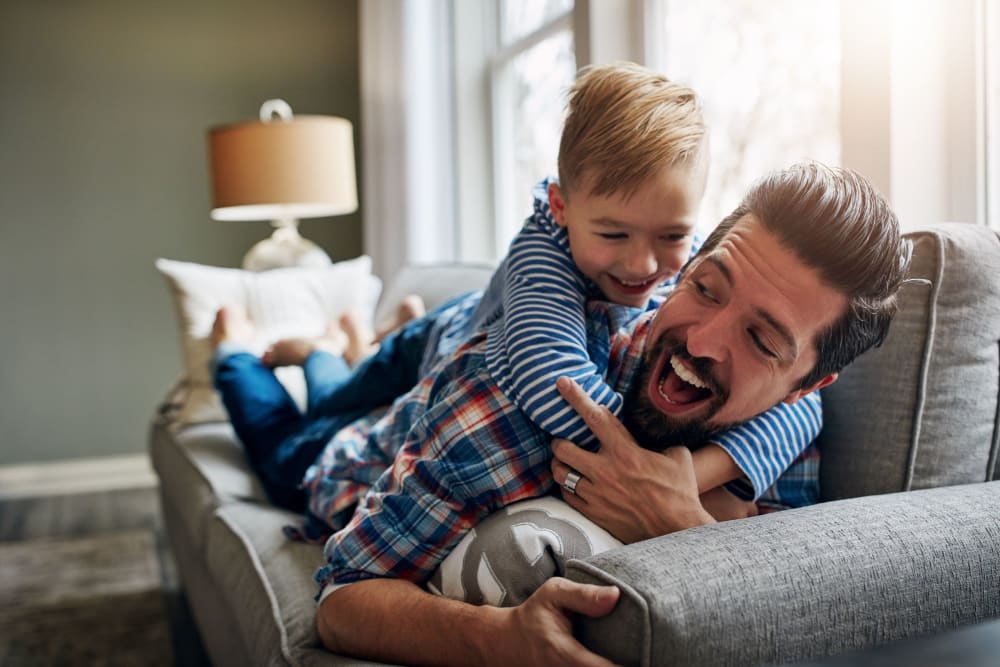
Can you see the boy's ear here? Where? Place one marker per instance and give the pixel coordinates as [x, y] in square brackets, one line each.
[557, 204]
[799, 393]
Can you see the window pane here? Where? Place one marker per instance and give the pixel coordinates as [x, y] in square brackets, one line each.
[769, 76]
[531, 105]
[520, 17]
[992, 18]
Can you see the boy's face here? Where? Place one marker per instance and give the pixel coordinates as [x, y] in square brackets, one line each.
[629, 246]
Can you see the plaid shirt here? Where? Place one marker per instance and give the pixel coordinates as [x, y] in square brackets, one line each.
[449, 453]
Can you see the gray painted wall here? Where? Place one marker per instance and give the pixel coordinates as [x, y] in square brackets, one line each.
[104, 106]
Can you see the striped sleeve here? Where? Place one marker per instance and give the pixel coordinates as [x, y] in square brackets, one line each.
[544, 335]
[765, 446]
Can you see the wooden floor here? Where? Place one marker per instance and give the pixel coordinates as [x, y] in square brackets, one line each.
[25, 518]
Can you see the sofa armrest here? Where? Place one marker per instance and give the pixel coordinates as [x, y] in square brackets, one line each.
[802, 583]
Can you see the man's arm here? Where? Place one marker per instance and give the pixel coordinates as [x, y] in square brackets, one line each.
[396, 621]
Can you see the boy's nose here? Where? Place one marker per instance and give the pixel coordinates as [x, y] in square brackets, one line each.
[641, 264]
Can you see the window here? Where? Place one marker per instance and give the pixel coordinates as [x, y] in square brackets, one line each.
[892, 88]
[531, 72]
[768, 74]
[991, 130]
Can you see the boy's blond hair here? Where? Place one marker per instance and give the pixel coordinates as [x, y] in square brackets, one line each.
[624, 124]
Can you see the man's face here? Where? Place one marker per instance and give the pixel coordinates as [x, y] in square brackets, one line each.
[734, 339]
[629, 246]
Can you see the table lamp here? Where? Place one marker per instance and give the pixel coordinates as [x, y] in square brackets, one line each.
[281, 169]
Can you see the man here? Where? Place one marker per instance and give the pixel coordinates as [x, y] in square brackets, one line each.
[789, 289]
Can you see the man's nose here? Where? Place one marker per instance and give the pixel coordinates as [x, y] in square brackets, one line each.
[709, 337]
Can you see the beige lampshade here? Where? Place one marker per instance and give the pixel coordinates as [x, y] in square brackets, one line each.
[283, 169]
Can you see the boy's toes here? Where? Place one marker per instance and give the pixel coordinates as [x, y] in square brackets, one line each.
[410, 307]
[231, 324]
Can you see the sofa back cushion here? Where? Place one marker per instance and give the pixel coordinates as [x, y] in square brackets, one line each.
[922, 410]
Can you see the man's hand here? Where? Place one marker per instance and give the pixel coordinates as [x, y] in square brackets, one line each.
[539, 631]
[431, 630]
[631, 492]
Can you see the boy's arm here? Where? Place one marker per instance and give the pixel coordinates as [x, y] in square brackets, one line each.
[544, 335]
[765, 446]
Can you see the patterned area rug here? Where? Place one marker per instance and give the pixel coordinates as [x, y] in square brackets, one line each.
[84, 601]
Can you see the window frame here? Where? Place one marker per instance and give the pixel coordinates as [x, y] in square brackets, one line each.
[501, 89]
[953, 181]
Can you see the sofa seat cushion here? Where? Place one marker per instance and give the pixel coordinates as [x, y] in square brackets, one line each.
[200, 468]
[268, 582]
[921, 411]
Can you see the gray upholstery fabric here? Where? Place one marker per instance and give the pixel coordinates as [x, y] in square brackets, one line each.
[435, 283]
[921, 411]
[250, 588]
[214, 617]
[201, 467]
[803, 583]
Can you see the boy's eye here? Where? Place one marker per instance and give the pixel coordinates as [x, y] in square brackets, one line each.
[612, 236]
[675, 238]
[765, 350]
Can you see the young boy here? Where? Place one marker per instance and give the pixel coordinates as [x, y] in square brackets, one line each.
[619, 225]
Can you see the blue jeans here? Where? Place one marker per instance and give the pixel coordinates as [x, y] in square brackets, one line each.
[281, 442]
[381, 378]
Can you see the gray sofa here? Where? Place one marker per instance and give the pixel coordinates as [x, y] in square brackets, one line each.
[906, 543]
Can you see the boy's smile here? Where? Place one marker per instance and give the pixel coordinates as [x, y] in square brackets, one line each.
[629, 244]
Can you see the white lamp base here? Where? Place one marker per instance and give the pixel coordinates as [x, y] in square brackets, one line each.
[285, 248]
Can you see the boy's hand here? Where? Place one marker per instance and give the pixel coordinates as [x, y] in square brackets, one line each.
[631, 492]
[724, 506]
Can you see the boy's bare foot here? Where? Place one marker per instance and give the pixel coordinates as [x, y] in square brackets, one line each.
[294, 351]
[410, 307]
[360, 337]
[232, 325]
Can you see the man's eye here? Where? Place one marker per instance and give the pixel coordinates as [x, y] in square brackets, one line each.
[765, 350]
[703, 291]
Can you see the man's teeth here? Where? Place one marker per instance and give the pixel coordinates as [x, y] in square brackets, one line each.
[686, 375]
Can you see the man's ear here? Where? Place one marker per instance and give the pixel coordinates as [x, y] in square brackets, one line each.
[799, 393]
[557, 204]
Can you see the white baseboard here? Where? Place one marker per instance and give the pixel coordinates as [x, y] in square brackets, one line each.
[74, 476]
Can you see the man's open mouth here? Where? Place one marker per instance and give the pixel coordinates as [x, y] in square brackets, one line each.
[678, 389]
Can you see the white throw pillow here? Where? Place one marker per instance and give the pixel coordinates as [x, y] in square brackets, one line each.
[282, 303]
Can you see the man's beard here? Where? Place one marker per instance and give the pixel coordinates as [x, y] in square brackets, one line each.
[655, 430]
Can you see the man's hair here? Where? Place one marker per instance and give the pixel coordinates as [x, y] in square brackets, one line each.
[836, 222]
[625, 123]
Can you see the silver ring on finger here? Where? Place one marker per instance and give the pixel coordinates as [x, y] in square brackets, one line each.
[572, 479]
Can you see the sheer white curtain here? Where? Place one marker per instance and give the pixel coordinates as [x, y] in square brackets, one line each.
[408, 192]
